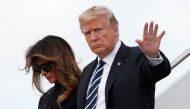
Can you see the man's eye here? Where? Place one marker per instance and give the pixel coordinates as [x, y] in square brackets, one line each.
[98, 30]
[86, 33]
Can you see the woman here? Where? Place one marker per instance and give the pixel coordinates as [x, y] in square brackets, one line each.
[53, 59]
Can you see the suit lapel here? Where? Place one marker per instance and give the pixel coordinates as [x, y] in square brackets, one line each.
[87, 73]
[115, 68]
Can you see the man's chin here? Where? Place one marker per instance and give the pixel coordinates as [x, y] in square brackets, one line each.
[100, 53]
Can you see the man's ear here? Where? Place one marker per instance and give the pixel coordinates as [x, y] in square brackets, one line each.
[116, 30]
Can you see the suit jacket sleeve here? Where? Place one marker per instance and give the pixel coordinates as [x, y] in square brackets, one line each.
[155, 73]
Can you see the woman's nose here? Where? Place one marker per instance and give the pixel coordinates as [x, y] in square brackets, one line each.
[43, 72]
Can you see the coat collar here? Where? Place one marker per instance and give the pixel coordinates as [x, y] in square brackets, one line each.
[115, 68]
[86, 75]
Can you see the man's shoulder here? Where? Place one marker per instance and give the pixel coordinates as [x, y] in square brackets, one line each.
[91, 64]
[130, 50]
[135, 49]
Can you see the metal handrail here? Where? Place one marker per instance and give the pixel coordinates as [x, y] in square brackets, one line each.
[180, 58]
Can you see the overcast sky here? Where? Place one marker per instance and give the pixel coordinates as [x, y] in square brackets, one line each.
[23, 22]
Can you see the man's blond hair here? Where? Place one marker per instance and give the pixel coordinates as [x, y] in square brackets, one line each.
[95, 12]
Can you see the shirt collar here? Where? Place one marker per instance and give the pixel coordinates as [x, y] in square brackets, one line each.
[109, 59]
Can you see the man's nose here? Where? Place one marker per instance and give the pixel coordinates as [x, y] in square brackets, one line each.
[94, 36]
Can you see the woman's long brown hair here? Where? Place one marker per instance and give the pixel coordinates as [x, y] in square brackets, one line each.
[57, 50]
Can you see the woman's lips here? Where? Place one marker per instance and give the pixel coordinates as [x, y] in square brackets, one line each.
[48, 78]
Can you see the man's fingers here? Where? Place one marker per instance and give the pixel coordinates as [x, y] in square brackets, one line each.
[161, 35]
[145, 29]
[139, 42]
[155, 30]
[151, 27]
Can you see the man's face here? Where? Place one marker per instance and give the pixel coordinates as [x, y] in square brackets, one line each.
[100, 35]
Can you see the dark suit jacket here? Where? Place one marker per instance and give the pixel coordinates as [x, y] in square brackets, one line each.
[130, 85]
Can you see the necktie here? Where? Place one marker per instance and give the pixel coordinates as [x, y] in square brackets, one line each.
[93, 88]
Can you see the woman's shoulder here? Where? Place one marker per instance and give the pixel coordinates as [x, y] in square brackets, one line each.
[49, 92]
[70, 102]
[45, 99]
[47, 95]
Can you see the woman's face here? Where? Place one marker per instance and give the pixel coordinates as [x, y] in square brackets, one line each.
[47, 69]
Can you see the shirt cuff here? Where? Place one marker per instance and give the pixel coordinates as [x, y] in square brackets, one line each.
[155, 61]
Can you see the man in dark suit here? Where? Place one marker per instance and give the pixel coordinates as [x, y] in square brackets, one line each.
[129, 73]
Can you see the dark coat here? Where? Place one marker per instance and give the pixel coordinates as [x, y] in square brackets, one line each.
[131, 80]
[48, 99]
